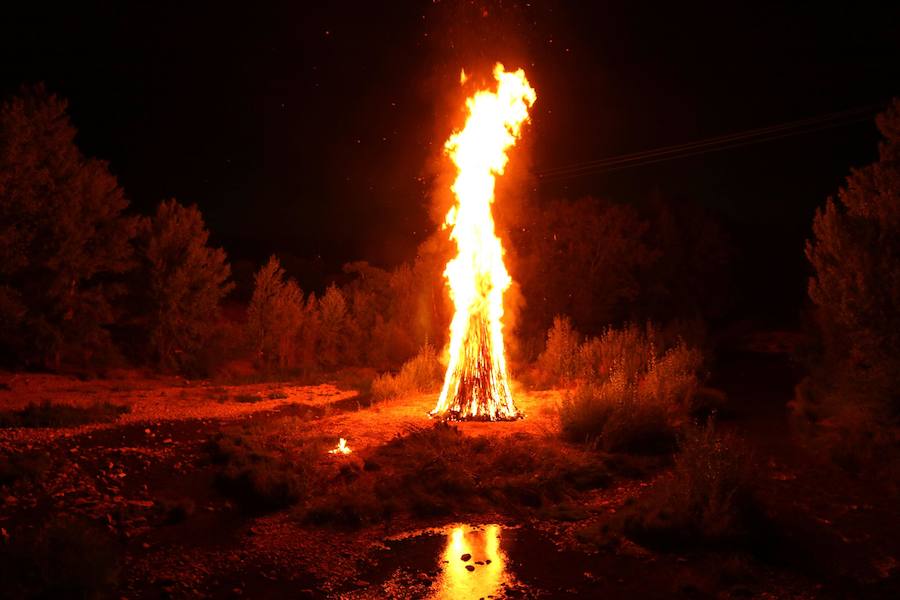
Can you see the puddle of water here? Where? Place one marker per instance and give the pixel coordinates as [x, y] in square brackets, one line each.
[524, 563]
[457, 562]
[473, 564]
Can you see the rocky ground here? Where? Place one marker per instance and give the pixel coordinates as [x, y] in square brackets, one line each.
[147, 481]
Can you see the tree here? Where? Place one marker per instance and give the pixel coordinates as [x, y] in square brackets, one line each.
[369, 303]
[855, 254]
[581, 259]
[274, 317]
[63, 238]
[309, 335]
[333, 323]
[186, 281]
[689, 277]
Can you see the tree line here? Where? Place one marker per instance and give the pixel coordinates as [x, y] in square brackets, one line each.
[84, 282]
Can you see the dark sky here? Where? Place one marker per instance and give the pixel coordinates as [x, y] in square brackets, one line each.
[310, 128]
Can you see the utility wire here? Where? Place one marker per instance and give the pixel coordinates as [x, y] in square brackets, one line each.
[712, 144]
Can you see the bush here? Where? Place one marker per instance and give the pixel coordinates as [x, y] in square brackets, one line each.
[422, 373]
[709, 499]
[559, 361]
[633, 391]
[612, 416]
[66, 558]
[438, 471]
[842, 423]
[847, 431]
[28, 466]
[248, 398]
[48, 414]
[663, 365]
[256, 477]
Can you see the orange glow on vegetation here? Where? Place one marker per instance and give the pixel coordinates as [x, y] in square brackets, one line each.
[476, 385]
[342, 448]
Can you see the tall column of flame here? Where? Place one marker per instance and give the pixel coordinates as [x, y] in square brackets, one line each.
[476, 385]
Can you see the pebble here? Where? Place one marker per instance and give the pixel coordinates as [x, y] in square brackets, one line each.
[470, 568]
[465, 557]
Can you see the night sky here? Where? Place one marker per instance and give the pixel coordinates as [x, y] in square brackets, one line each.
[313, 130]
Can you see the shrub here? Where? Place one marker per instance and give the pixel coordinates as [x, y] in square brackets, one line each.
[48, 414]
[248, 398]
[612, 416]
[422, 373]
[672, 378]
[661, 365]
[438, 471]
[559, 360]
[851, 437]
[66, 558]
[256, 477]
[633, 391]
[709, 499]
[356, 378]
[173, 512]
[22, 466]
[844, 421]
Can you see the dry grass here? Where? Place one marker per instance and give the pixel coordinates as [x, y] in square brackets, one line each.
[613, 417]
[710, 499]
[439, 471]
[632, 394]
[421, 374]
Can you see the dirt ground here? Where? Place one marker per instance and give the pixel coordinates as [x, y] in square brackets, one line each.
[127, 476]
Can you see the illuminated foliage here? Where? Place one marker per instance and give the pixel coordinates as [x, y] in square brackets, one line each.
[855, 253]
[186, 280]
[274, 317]
[63, 238]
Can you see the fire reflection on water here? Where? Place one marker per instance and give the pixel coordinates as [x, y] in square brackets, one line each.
[484, 570]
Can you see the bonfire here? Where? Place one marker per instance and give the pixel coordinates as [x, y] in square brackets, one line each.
[476, 384]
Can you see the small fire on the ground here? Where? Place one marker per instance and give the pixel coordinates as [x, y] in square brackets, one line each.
[342, 448]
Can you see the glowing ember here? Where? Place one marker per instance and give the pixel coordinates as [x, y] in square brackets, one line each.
[476, 385]
[342, 448]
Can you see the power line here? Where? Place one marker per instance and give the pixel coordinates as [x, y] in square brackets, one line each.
[706, 145]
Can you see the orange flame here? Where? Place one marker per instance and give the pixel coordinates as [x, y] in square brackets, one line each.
[476, 385]
[342, 448]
